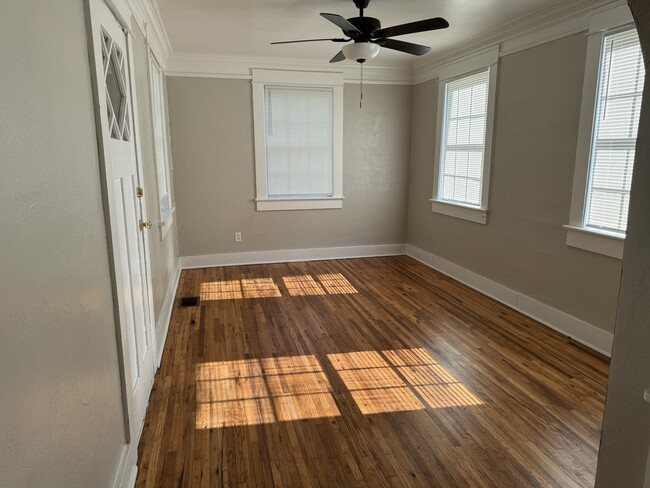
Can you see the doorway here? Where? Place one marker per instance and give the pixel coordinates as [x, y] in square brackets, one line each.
[125, 215]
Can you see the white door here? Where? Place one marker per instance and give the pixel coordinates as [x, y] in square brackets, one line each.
[125, 209]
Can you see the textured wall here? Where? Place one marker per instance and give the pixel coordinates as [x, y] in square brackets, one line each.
[623, 456]
[214, 172]
[524, 245]
[60, 409]
[163, 253]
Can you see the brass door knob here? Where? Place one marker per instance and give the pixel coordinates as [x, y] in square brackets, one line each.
[145, 225]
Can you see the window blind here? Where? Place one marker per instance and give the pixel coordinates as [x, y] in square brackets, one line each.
[299, 141]
[613, 144]
[463, 151]
[160, 138]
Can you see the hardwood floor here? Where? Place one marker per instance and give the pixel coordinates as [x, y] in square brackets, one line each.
[365, 372]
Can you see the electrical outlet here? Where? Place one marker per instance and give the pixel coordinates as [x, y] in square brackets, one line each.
[237, 236]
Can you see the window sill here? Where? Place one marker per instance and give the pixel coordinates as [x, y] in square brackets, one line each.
[600, 242]
[473, 214]
[166, 221]
[270, 204]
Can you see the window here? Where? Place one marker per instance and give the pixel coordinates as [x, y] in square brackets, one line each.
[298, 118]
[465, 118]
[606, 148]
[161, 146]
[617, 120]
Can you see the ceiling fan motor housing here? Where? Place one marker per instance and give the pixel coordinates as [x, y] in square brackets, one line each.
[367, 25]
[361, 4]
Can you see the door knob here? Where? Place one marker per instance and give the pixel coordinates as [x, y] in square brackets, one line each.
[145, 224]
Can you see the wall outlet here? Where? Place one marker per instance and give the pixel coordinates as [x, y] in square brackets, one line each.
[237, 236]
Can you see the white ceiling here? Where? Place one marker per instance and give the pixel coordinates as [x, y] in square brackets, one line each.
[247, 27]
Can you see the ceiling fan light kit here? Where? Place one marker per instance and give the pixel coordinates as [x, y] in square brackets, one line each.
[361, 51]
[368, 36]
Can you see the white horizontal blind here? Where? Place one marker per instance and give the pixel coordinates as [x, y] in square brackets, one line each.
[299, 141]
[160, 138]
[463, 147]
[617, 119]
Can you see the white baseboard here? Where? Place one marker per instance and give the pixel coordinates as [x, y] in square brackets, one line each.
[162, 324]
[580, 331]
[127, 471]
[290, 255]
[591, 336]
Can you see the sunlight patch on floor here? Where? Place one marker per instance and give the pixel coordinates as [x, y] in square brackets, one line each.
[399, 380]
[262, 391]
[301, 285]
[374, 385]
[304, 285]
[221, 290]
[336, 284]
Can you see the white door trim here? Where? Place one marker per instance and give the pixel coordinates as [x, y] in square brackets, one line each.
[138, 155]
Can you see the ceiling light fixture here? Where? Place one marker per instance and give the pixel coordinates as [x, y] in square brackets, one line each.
[361, 51]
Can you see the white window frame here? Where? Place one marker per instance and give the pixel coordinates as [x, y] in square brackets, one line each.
[262, 78]
[488, 58]
[578, 235]
[166, 215]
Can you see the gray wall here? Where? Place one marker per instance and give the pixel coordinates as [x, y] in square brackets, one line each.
[60, 409]
[212, 142]
[163, 253]
[524, 245]
[626, 428]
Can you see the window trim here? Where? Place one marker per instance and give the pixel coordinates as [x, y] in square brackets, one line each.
[610, 244]
[487, 59]
[262, 78]
[166, 216]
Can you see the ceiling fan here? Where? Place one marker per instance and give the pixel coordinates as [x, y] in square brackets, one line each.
[369, 37]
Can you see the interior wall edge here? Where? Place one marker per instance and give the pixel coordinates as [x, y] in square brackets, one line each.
[165, 316]
[291, 255]
[580, 331]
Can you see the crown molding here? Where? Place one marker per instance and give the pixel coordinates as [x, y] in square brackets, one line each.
[148, 17]
[553, 22]
[239, 67]
[556, 21]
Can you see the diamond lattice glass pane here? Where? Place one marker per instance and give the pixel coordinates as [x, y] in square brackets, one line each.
[114, 88]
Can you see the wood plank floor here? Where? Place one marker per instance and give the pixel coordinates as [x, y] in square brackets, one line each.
[365, 373]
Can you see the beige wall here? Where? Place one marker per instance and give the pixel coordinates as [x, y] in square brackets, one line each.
[163, 253]
[524, 245]
[60, 409]
[624, 458]
[212, 143]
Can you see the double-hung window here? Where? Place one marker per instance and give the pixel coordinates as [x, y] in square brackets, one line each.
[614, 78]
[464, 140]
[161, 145]
[298, 139]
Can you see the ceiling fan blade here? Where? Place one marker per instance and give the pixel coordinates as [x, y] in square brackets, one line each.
[339, 57]
[405, 47]
[412, 28]
[338, 39]
[347, 28]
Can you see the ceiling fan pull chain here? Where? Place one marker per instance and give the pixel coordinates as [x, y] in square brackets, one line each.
[361, 88]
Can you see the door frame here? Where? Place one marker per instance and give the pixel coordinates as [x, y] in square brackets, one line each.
[127, 469]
